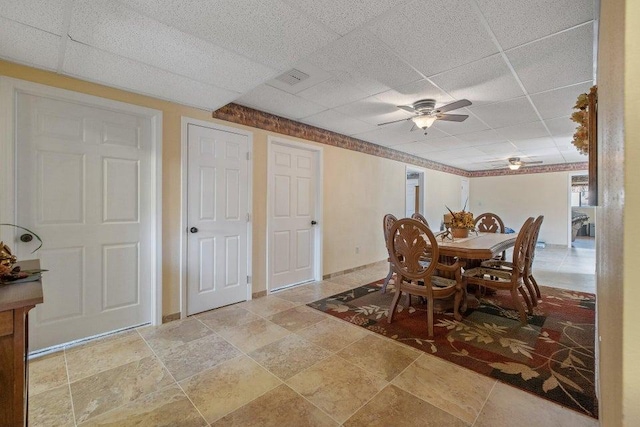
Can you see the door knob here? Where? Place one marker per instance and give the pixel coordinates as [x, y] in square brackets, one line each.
[314, 222]
[193, 229]
[26, 237]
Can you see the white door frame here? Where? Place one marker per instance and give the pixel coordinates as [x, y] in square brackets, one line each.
[569, 217]
[9, 89]
[423, 186]
[317, 259]
[184, 188]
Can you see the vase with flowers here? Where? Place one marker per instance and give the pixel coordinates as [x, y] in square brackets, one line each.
[459, 223]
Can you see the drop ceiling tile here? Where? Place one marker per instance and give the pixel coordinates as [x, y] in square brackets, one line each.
[372, 110]
[415, 148]
[535, 143]
[28, 45]
[278, 102]
[484, 137]
[471, 124]
[102, 67]
[435, 35]
[316, 75]
[506, 113]
[363, 52]
[415, 91]
[336, 122]
[344, 16]
[523, 131]
[332, 93]
[389, 135]
[268, 31]
[564, 142]
[46, 15]
[485, 81]
[559, 102]
[574, 156]
[562, 126]
[117, 29]
[515, 22]
[501, 149]
[560, 60]
[443, 144]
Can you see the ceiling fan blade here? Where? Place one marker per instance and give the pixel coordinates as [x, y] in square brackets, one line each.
[454, 106]
[408, 108]
[537, 162]
[395, 121]
[413, 127]
[453, 117]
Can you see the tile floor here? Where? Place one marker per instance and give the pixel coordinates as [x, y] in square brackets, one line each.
[274, 362]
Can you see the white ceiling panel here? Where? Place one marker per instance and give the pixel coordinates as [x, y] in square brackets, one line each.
[481, 138]
[564, 142]
[500, 149]
[337, 122]
[390, 135]
[417, 147]
[47, 15]
[28, 45]
[574, 156]
[560, 60]
[112, 70]
[559, 102]
[535, 143]
[332, 93]
[113, 27]
[415, 91]
[316, 75]
[515, 22]
[268, 31]
[435, 35]
[524, 131]
[485, 81]
[372, 110]
[344, 16]
[443, 144]
[472, 124]
[362, 52]
[506, 113]
[278, 102]
[562, 126]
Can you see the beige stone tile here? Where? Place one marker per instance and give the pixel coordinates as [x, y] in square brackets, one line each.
[115, 387]
[168, 407]
[165, 337]
[226, 387]
[288, 356]
[227, 317]
[98, 357]
[311, 292]
[509, 406]
[47, 372]
[196, 356]
[457, 390]
[395, 407]
[336, 386]
[333, 335]
[253, 335]
[76, 346]
[267, 306]
[297, 318]
[380, 356]
[280, 407]
[51, 408]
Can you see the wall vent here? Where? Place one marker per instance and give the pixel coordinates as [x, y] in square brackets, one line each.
[292, 77]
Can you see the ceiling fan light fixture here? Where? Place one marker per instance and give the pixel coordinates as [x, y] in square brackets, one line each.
[424, 122]
[515, 166]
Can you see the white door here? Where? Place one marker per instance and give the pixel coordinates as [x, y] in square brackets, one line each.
[83, 184]
[292, 184]
[218, 216]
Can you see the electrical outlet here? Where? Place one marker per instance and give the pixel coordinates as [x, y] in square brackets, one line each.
[357, 249]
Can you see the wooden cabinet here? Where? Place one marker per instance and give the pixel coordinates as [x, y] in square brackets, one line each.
[15, 302]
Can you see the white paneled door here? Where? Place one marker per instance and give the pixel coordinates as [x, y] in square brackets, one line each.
[84, 184]
[218, 216]
[292, 205]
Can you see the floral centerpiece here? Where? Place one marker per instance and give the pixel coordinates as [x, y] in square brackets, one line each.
[9, 272]
[459, 222]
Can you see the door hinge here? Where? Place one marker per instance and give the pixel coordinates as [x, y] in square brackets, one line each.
[248, 217]
[248, 279]
[248, 155]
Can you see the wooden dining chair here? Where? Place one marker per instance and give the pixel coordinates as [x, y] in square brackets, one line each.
[490, 223]
[387, 222]
[418, 216]
[410, 242]
[507, 279]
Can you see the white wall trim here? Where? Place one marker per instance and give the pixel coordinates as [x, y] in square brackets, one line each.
[184, 149]
[422, 182]
[9, 88]
[319, 229]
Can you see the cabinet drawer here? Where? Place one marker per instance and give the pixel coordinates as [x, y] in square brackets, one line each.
[6, 323]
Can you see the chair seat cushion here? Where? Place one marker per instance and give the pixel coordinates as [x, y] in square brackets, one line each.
[493, 263]
[486, 271]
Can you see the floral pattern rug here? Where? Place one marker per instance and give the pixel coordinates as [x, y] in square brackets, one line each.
[552, 357]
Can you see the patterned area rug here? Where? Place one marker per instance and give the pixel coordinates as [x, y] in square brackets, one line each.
[552, 357]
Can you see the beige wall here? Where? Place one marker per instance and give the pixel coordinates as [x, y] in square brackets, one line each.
[358, 189]
[514, 198]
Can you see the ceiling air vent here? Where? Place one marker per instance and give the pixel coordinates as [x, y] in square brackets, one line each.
[292, 77]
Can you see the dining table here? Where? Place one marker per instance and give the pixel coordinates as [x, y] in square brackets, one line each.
[475, 248]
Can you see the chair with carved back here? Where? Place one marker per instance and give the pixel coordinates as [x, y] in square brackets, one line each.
[490, 223]
[529, 281]
[387, 222]
[508, 279]
[410, 242]
[418, 216]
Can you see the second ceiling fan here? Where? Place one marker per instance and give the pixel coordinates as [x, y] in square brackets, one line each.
[426, 113]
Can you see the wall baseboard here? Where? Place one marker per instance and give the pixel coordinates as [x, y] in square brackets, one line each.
[351, 270]
[170, 317]
[259, 294]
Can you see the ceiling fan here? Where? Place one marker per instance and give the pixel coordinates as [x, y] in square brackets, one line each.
[515, 163]
[426, 113]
